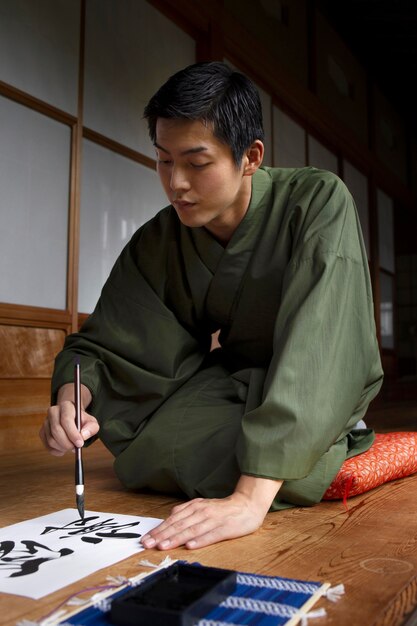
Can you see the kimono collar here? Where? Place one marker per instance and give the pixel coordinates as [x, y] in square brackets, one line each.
[243, 239]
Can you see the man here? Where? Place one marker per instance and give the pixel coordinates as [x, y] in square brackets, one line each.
[274, 259]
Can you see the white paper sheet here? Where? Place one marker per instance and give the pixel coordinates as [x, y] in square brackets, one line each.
[43, 554]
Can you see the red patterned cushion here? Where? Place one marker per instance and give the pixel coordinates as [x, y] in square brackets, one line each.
[391, 456]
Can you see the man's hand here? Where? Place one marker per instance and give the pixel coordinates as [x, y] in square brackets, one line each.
[59, 432]
[202, 522]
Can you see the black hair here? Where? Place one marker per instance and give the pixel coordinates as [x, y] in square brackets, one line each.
[213, 93]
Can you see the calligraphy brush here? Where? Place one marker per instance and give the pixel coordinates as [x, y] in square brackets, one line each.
[79, 472]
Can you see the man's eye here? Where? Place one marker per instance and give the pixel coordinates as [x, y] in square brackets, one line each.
[199, 166]
[164, 162]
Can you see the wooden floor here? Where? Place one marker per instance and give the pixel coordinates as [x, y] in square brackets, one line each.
[372, 549]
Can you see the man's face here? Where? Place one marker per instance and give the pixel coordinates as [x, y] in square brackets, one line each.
[200, 177]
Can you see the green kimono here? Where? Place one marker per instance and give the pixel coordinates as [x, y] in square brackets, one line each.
[299, 360]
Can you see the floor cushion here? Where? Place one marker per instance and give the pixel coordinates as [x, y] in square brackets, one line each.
[392, 455]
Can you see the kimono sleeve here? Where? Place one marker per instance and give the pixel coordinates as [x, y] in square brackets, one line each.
[325, 366]
[134, 353]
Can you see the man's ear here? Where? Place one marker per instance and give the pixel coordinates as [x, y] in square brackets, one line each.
[253, 157]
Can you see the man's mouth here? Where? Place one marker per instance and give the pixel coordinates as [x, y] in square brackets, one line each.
[182, 204]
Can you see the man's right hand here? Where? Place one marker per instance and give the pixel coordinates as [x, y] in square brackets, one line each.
[59, 432]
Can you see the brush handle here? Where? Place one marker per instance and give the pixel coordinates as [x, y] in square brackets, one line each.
[77, 390]
[79, 473]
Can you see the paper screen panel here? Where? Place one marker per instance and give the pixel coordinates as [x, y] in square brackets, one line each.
[39, 44]
[34, 201]
[128, 55]
[118, 196]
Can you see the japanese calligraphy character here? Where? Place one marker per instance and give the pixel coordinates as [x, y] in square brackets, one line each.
[106, 529]
[27, 560]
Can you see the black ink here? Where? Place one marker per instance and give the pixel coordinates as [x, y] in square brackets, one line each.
[27, 561]
[106, 529]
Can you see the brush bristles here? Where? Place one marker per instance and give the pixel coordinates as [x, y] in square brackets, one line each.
[80, 506]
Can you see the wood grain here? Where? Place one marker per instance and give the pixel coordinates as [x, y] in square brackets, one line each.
[23, 406]
[29, 352]
[372, 549]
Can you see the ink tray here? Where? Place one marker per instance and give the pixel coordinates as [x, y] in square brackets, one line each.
[178, 595]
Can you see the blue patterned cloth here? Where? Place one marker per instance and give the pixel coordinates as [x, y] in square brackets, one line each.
[257, 601]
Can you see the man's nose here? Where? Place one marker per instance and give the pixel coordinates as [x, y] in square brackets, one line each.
[179, 179]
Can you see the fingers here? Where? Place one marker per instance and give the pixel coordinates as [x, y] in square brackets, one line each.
[171, 534]
[215, 535]
[182, 518]
[89, 426]
[48, 441]
[200, 523]
[59, 432]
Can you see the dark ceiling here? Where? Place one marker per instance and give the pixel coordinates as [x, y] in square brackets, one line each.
[383, 36]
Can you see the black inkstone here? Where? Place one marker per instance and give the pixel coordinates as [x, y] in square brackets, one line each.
[178, 595]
